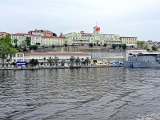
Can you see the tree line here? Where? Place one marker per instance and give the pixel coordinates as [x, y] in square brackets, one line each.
[55, 61]
[113, 45]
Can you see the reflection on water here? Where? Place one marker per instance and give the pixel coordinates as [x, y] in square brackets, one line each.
[97, 93]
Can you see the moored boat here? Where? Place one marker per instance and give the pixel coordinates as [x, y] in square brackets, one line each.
[75, 67]
[98, 63]
[145, 64]
[143, 60]
[128, 64]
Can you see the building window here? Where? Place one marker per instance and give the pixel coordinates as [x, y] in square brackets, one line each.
[19, 55]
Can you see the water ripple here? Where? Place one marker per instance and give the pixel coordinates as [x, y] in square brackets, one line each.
[91, 94]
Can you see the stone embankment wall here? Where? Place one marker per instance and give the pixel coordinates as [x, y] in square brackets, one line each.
[100, 53]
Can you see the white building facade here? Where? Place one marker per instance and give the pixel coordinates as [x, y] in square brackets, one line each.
[21, 37]
[57, 41]
[43, 56]
[96, 37]
[75, 38]
[42, 40]
[20, 56]
[129, 41]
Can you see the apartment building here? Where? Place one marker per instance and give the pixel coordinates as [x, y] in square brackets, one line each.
[20, 37]
[52, 40]
[110, 39]
[3, 34]
[129, 41]
[37, 39]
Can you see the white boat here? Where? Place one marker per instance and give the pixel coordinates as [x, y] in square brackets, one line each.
[98, 63]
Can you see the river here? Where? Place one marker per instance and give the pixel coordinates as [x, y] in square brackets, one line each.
[113, 93]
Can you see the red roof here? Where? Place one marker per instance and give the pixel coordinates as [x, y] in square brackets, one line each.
[61, 37]
[23, 34]
[20, 34]
[53, 37]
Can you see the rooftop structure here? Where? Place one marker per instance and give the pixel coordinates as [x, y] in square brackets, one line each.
[41, 32]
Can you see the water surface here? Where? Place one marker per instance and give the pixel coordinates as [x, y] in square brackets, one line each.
[113, 93]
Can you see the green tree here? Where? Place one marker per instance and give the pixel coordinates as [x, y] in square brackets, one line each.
[7, 40]
[33, 62]
[34, 47]
[154, 48]
[120, 45]
[140, 44]
[56, 59]
[53, 46]
[91, 45]
[19, 48]
[82, 61]
[113, 46]
[24, 44]
[87, 60]
[24, 49]
[65, 45]
[124, 46]
[146, 47]
[105, 45]
[77, 61]
[72, 59]
[28, 41]
[16, 46]
[44, 59]
[50, 60]
[15, 41]
[6, 50]
[8, 60]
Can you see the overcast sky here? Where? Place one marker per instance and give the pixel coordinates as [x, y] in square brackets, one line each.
[134, 18]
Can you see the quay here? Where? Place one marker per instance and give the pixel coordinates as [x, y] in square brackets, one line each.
[58, 67]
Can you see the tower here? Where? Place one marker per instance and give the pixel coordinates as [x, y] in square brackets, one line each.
[96, 30]
[96, 35]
